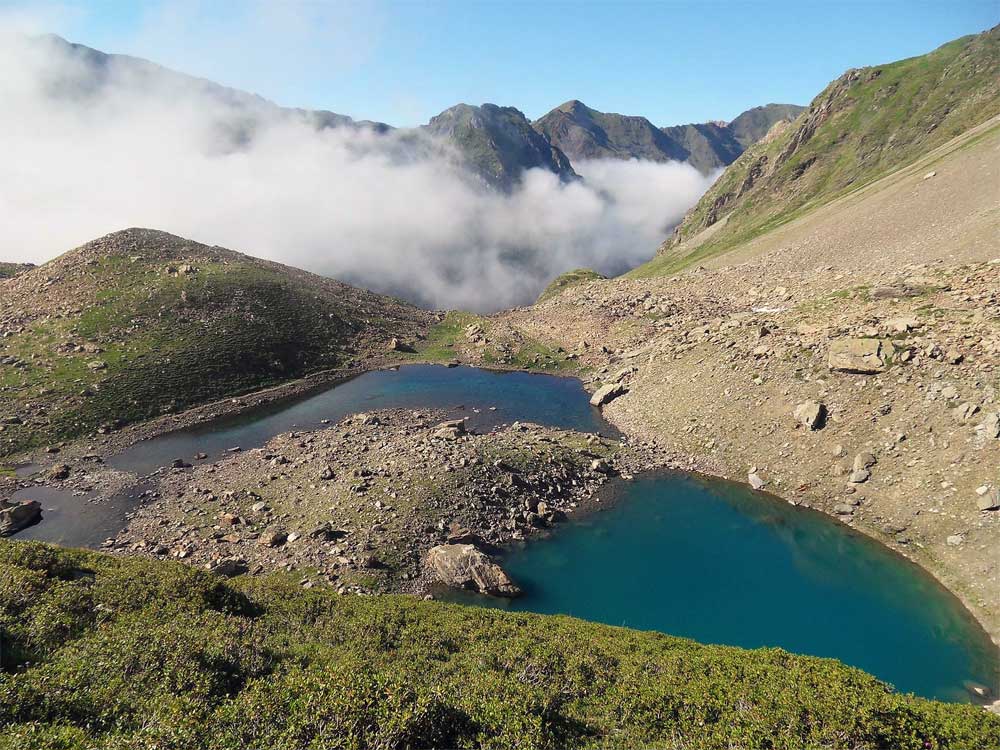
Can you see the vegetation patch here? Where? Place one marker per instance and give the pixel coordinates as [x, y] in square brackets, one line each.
[564, 281]
[100, 652]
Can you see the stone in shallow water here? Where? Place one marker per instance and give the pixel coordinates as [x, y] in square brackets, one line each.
[18, 516]
[465, 566]
[607, 393]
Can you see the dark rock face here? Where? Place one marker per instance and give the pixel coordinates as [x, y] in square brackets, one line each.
[498, 143]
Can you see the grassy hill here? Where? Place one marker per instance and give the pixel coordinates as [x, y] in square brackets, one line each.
[566, 280]
[865, 124]
[102, 652]
[140, 323]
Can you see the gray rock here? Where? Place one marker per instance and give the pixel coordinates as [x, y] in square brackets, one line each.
[464, 566]
[864, 461]
[843, 509]
[859, 476]
[274, 538]
[228, 566]
[989, 500]
[964, 412]
[395, 345]
[20, 515]
[451, 429]
[755, 481]
[811, 414]
[861, 356]
[990, 426]
[607, 393]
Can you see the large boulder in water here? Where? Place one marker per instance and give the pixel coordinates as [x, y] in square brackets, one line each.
[15, 517]
[465, 566]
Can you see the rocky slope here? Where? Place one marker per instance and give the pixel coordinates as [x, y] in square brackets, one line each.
[141, 323]
[360, 504]
[865, 124]
[879, 311]
[584, 133]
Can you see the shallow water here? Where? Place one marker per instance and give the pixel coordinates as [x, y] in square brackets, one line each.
[718, 563]
[688, 556]
[466, 391]
[76, 520]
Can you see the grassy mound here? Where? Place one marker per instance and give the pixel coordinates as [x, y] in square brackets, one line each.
[865, 124]
[102, 652]
[141, 323]
[566, 280]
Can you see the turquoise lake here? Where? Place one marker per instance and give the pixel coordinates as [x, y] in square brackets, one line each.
[718, 563]
[693, 557]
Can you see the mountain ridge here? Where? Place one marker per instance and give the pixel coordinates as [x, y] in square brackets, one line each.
[864, 124]
[586, 133]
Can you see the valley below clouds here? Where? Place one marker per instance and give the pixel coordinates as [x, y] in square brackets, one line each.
[93, 148]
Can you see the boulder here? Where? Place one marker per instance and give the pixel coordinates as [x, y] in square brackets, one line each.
[811, 414]
[15, 517]
[755, 481]
[465, 566]
[450, 430]
[274, 538]
[395, 345]
[861, 356]
[864, 461]
[990, 426]
[228, 566]
[607, 393]
[59, 472]
[990, 500]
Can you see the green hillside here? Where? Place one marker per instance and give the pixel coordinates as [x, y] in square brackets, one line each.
[141, 323]
[566, 280]
[102, 652]
[865, 124]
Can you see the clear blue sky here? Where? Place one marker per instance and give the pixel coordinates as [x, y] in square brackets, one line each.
[402, 62]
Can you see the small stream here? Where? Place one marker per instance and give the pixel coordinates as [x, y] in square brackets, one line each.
[685, 555]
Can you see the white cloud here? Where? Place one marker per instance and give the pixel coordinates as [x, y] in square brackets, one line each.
[154, 151]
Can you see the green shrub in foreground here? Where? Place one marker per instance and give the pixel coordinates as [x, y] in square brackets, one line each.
[125, 653]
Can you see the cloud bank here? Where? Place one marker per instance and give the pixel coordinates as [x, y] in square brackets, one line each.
[91, 148]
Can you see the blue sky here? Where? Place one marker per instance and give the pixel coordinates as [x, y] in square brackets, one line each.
[402, 62]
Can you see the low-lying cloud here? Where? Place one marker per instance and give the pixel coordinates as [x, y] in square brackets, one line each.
[86, 154]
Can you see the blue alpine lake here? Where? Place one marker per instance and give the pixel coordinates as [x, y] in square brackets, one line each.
[677, 553]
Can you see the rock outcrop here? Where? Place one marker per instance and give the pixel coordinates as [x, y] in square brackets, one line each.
[465, 566]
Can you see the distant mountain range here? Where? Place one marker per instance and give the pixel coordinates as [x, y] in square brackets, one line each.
[584, 133]
[497, 144]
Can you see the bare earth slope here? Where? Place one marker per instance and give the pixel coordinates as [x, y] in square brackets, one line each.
[724, 356]
[141, 323]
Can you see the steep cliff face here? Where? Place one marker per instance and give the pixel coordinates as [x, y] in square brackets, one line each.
[864, 124]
